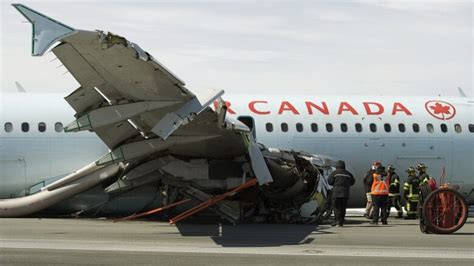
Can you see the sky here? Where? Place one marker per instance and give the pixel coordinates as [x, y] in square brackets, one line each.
[361, 47]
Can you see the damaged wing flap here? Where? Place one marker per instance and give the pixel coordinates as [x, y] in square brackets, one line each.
[186, 113]
[221, 110]
[116, 113]
[46, 31]
[142, 148]
[259, 165]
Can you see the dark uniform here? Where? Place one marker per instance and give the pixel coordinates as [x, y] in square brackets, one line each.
[367, 185]
[341, 180]
[394, 191]
[411, 192]
[423, 176]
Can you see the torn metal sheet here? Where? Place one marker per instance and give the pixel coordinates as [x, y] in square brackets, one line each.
[258, 165]
[172, 121]
[115, 113]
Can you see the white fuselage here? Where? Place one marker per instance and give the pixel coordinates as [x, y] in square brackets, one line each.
[27, 158]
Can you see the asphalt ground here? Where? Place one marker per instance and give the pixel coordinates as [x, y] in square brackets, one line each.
[34, 241]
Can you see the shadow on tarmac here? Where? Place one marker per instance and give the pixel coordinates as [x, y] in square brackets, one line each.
[255, 235]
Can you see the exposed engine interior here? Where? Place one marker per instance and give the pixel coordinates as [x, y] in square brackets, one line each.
[298, 193]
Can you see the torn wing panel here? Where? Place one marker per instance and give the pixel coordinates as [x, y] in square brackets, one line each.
[117, 133]
[84, 99]
[126, 76]
[117, 62]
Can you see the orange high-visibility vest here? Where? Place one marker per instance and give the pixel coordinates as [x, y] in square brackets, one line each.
[379, 186]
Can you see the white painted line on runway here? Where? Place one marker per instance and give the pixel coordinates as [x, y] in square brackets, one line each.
[296, 250]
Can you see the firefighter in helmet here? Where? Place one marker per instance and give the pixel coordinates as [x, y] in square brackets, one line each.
[423, 176]
[394, 191]
[411, 193]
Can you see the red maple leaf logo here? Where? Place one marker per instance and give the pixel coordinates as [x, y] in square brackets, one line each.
[440, 109]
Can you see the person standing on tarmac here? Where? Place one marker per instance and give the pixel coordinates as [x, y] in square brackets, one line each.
[341, 180]
[379, 191]
[367, 187]
[394, 191]
[423, 176]
[411, 190]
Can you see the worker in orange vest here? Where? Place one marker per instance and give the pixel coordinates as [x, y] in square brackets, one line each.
[379, 192]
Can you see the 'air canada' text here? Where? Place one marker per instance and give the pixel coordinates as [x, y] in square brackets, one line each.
[263, 107]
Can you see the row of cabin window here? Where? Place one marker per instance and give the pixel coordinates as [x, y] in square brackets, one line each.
[25, 127]
[373, 127]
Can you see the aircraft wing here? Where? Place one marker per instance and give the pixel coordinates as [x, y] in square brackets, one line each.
[133, 103]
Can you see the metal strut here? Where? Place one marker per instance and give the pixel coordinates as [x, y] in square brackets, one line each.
[208, 203]
[138, 215]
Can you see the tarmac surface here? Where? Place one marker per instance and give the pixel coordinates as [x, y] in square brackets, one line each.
[100, 241]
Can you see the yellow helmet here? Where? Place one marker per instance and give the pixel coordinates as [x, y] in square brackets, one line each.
[421, 167]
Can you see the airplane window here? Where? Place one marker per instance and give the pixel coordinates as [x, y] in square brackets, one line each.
[8, 127]
[471, 128]
[358, 127]
[269, 127]
[373, 127]
[457, 128]
[387, 127]
[416, 128]
[58, 127]
[284, 127]
[329, 127]
[429, 128]
[299, 127]
[401, 127]
[314, 127]
[344, 127]
[41, 127]
[444, 128]
[25, 127]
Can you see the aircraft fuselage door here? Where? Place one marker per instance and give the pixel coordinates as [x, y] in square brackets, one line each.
[374, 148]
[250, 122]
[13, 176]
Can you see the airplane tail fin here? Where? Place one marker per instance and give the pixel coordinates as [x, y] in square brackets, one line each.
[46, 31]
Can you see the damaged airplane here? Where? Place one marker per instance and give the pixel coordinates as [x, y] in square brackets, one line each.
[158, 132]
[141, 141]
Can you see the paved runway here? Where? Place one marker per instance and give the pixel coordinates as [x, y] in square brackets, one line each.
[96, 241]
